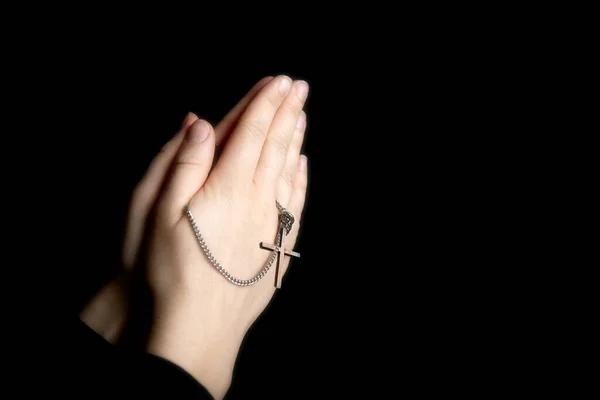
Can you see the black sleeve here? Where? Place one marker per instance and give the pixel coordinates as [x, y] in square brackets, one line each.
[102, 368]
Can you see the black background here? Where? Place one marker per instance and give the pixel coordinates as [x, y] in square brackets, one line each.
[360, 306]
[377, 297]
[312, 329]
[414, 145]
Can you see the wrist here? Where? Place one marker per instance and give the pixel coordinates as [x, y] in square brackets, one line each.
[206, 351]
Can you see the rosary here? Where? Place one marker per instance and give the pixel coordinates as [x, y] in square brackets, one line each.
[286, 220]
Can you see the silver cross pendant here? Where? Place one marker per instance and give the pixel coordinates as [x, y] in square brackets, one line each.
[285, 226]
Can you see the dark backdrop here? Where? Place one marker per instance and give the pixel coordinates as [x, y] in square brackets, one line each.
[394, 260]
[376, 297]
[111, 125]
[367, 271]
[408, 135]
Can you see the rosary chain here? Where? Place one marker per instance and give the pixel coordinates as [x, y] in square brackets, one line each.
[219, 267]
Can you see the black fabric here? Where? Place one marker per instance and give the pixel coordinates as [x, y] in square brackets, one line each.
[100, 368]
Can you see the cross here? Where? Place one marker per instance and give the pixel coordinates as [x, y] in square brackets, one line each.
[281, 252]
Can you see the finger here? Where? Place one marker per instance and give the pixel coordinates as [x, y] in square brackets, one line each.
[240, 156]
[298, 198]
[286, 179]
[224, 128]
[189, 119]
[274, 152]
[146, 192]
[189, 170]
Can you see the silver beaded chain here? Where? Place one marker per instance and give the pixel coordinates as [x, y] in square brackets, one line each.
[219, 267]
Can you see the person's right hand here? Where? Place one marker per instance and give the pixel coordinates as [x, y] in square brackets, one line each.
[200, 318]
[108, 310]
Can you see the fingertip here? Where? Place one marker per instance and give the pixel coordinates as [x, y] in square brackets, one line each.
[301, 180]
[284, 84]
[261, 83]
[298, 198]
[301, 124]
[302, 162]
[303, 171]
[199, 131]
[188, 120]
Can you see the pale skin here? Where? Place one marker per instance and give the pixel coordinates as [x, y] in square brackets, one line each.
[200, 319]
[108, 310]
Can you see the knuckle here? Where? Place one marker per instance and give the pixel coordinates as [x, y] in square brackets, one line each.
[270, 169]
[288, 177]
[190, 158]
[301, 182]
[278, 145]
[224, 192]
[252, 128]
[295, 148]
[292, 107]
[274, 101]
[191, 165]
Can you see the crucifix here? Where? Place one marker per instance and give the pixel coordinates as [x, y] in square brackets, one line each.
[285, 226]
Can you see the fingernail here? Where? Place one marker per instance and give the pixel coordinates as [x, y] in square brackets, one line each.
[284, 85]
[198, 132]
[301, 90]
[301, 120]
[302, 162]
[185, 120]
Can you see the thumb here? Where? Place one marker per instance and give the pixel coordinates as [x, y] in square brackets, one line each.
[190, 169]
[147, 191]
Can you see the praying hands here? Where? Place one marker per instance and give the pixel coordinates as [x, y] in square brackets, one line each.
[214, 239]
